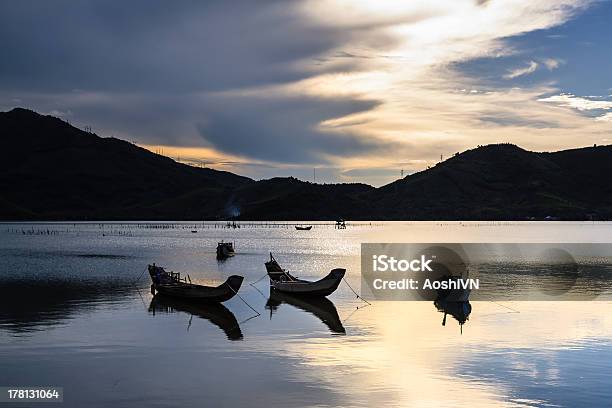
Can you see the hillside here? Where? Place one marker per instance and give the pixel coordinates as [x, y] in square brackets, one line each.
[51, 170]
[503, 181]
[292, 199]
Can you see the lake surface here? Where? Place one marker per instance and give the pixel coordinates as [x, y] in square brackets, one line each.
[71, 316]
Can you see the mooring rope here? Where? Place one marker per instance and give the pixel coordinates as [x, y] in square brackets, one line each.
[142, 299]
[260, 292]
[245, 302]
[253, 283]
[245, 320]
[140, 276]
[356, 294]
[507, 307]
[346, 319]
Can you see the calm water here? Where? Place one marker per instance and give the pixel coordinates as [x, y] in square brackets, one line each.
[71, 317]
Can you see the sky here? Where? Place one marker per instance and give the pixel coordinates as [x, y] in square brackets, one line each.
[359, 90]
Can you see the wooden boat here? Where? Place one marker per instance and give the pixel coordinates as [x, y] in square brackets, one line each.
[171, 284]
[321, 307]
[225, 250]
[302, 228]
[215, 313]
[283, 281]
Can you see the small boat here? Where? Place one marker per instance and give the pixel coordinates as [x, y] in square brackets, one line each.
[171, 284]
[215, 313]
[302, 228]
[225, 250]
[283, 281]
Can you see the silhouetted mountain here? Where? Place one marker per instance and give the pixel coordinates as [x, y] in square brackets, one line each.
[52, 170]
[504, 182]
[292, 199]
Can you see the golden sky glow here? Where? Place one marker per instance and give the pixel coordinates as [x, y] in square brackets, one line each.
[426, 108]
[358, 89]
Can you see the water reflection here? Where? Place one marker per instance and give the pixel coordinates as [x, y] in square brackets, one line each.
[217, 314]
[456, 303]
[94, 337]
[460, 311]
[323, 308]
[30, 305]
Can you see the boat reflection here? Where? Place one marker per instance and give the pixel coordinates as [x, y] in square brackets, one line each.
[455, 302]
[215, 313]
[321, 307]
[460, 311]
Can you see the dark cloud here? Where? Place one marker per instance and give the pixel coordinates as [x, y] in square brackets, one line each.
[284, 129]
[511, 119]
[158, 73]
[153, 45]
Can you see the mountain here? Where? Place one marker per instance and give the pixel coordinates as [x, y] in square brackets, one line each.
[52, 170]
[293, 199]
[499, 182]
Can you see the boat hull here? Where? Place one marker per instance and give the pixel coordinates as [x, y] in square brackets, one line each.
[200, 293]
[322, 287]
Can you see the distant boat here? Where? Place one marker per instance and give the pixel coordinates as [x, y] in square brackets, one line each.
[283, 281]
[171, 284]
[225, 250]
[194, 231]
[302, 228]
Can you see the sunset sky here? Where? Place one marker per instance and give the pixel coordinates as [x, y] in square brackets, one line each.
[358, 89]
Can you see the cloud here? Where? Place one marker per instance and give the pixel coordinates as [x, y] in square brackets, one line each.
[290, 85]
[576, 102]
[515, 73]
[285, 129]
[551, 63]
[515, 120]
[606, 117]
[147, 46]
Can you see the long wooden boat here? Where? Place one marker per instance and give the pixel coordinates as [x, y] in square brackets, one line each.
[302, 228]
[215, 313]
[321, 307]
[283, 281]
[171, 284]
